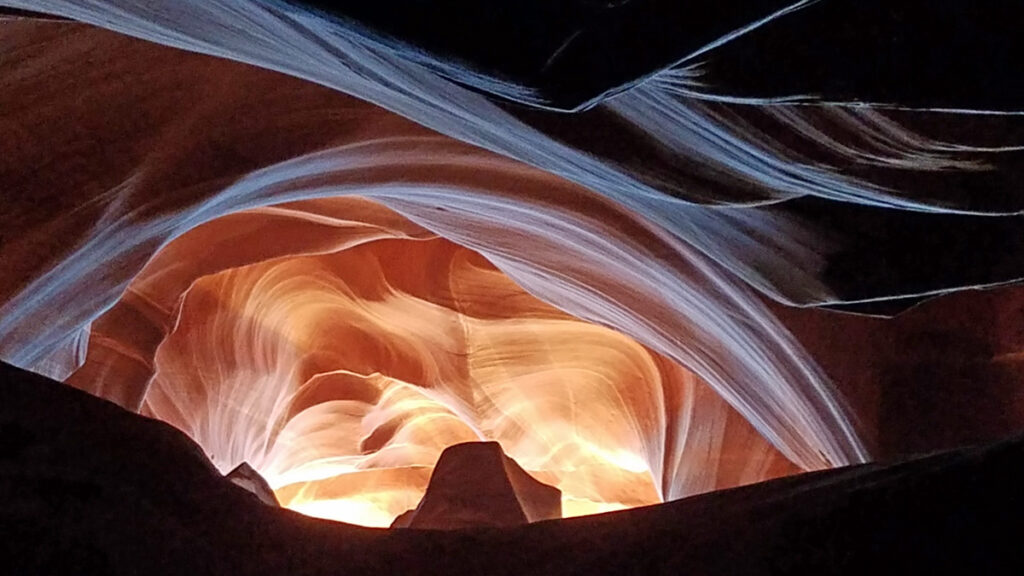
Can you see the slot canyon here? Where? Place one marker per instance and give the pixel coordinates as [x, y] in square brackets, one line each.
[546, 287]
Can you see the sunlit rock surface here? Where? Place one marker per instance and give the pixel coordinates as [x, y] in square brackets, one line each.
[343, 371]
[797, 200]
[215, 268]
[332, 257]
[476, 484]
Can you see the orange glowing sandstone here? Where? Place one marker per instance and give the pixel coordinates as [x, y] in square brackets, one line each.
[340, 343]
[343, 367]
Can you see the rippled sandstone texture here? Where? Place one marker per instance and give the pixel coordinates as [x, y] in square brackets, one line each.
[202, 257]
[343, 337]
[341, 376]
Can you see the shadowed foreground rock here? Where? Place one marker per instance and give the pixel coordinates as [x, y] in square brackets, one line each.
[88, 488]
[476, 484]
[243, 475]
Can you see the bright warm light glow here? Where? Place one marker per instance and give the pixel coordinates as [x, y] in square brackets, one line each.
[214, 268]
[339, 349]
[572, 507]
[352, 510]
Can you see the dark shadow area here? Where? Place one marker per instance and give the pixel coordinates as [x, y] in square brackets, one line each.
[92, 489]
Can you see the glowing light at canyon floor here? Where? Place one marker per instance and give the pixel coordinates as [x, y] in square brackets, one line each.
[215, 269]
[313, 254]
[342, 353]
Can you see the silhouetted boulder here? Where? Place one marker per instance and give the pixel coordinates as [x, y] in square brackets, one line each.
[476, 484]
[245, 476]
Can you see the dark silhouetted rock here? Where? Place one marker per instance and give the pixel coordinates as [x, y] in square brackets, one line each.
[89, 488]
[245, 476]
[476, 484]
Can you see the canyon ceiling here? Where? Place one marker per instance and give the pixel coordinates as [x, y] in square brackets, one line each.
[331, 241]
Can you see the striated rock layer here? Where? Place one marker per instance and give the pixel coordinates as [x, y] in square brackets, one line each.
[312, 284]
[342, 374]
[335, 288]
[842, 199]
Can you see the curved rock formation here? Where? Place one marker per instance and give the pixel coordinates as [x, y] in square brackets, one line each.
[331, 254]
[594, 259]
[345, 362]
[816, 192]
